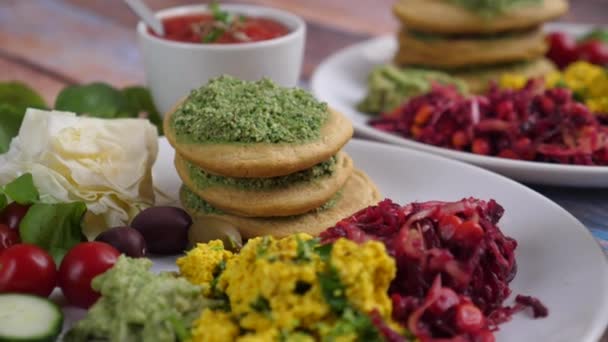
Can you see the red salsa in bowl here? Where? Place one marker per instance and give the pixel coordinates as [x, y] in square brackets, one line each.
[220, 27]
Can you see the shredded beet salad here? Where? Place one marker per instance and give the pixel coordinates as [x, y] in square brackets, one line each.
[532, 124]
[454, 266]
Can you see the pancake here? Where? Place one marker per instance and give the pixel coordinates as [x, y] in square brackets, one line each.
[478, 79]
[441, 16]
[306, 193]
[359, 192]
[254, 160]
[445, 52]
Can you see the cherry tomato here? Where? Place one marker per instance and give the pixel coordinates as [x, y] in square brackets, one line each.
[13, 214]
[83, 263]
[8, 237]
[562, 49]
[26, 268]
[593, 51]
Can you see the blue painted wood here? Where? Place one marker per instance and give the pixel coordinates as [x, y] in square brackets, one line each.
[590, 206]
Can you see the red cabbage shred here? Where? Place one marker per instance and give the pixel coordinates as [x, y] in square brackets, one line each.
[454, 266]
[533, 123]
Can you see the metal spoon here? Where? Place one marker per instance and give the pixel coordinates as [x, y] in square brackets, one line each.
[145, 13]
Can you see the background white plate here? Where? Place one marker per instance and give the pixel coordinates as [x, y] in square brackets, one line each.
[341, 80]
[558, 259]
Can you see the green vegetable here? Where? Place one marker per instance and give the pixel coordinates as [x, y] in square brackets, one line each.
[104, 101]
[213, 35]
[332, 289]
[324, 251]
[351, 321]
[22, 189]
[139, 305]
[15, 98]
[261, 305]
[219, 14]
[20, 96]
[389, 87]
[355, 323]
[305, 249]
[27, 318]
[54, 227]
[262, 248]
[140, 100]
[10, 122]
[490, 8]
[95, 99]
[204, 179]
[599, 34]
[229, 110]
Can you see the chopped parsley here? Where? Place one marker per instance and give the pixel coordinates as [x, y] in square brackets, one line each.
[261, 305]
[262, 248]
[304, 249]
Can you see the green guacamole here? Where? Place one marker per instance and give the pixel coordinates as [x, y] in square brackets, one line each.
[390, 86]
[139, 305]
[228, 110]
[193, 202]
[203, 179]
[492, 7]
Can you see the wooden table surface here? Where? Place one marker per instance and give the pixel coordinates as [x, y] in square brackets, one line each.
[49, 44]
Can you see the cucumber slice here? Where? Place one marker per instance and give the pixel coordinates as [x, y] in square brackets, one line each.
[26, 318]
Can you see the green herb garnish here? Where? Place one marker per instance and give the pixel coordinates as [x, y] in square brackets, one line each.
[213, 35]
[262, 248]
[55, 227]
[305, 249]
[333, 290]
[490, 8]
[261, 305]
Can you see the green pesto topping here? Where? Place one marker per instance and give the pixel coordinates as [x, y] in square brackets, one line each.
[439, 37]
[493, 7]
[203, 179]
[193, 202]
[228, 110]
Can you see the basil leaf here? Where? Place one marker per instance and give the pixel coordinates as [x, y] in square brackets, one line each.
[10, 122]
[95, 99]
[53, 227]
[19, 96]
[22, 189]
[139, 100]
[596, 34]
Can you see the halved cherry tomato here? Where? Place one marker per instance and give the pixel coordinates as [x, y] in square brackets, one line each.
[26, 268]
[84, 262]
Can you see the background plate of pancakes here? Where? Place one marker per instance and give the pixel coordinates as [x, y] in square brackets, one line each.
[573, 285]
[341, 80]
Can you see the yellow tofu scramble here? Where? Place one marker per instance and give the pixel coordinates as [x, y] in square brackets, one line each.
[588, 82]
[292, 289]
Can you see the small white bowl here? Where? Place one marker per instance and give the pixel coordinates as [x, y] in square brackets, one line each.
[173, 68]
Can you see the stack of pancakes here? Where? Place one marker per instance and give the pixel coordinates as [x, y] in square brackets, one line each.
[476, 47]
[272, 188]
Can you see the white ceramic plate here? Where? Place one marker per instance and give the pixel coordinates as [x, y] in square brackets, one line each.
[558, 259]
[341, 80]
